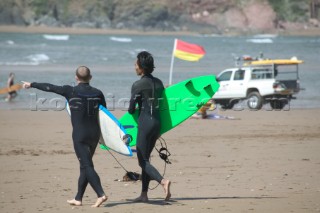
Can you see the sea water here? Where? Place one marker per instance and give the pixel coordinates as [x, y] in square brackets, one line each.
[111, 58]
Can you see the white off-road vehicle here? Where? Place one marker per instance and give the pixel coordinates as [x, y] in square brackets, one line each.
[257, 82]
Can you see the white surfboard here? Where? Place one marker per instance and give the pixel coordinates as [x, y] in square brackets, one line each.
[112, 132]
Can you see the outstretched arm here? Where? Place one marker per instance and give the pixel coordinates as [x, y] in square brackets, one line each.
[44, 87]
[25, 84]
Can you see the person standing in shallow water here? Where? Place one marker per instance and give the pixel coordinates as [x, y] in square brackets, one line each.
[10, 82]
[84, 102]
[146, 92]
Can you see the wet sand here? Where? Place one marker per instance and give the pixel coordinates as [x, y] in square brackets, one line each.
[312, 31]
[264, 161]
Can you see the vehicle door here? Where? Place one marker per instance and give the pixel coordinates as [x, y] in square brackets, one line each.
[224, 81]
[237, 86]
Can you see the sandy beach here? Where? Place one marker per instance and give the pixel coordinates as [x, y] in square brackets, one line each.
[264, 161]
[67, 30]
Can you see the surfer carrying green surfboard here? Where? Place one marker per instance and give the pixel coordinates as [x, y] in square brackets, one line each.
[83, 101]
[145, 93]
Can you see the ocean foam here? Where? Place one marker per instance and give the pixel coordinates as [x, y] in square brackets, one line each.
[265, 36]
[120, 39]
[260, 40]
[38, 58]
[10, 42]
[56, 37]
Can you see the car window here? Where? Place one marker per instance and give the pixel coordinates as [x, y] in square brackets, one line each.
[286, 72]
[261, 73]
[239, 75]
[225, 76]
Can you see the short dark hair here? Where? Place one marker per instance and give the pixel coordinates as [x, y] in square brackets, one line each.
[145, 62]
[83, 73]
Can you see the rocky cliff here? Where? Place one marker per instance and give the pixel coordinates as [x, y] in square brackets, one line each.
[204, 16]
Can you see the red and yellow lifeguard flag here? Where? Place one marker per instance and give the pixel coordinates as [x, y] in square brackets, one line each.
[187, 51]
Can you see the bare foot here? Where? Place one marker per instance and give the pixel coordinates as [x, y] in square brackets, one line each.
[166, 186]
[99, 201]
[141, 198]
[74, 202]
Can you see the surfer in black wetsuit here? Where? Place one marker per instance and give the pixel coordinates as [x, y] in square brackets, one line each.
[146, 92]
[84, 102]
[11, 94]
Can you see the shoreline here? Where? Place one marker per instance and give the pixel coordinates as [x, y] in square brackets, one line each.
[68, 30]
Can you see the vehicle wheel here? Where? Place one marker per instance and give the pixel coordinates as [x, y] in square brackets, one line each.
[227, 105]
[254, 101]
[278, 104]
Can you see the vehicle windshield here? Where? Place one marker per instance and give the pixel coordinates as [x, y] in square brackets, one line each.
[225, 76]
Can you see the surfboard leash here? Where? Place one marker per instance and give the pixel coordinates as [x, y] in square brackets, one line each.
[117, 160]
[163, 151]
[164, 155]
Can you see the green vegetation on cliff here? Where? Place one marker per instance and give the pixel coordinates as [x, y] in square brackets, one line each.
[291, 10]
[165, 15]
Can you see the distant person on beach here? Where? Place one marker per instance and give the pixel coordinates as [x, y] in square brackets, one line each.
[202, 112]
[83, 100]
[146, 93]
[10, 82]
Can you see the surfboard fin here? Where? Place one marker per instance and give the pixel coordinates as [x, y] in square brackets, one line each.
[209, 90]
[189, 85]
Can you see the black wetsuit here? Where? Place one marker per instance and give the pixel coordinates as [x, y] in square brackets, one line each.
[146, 93]
[84, 102]
[12, 93]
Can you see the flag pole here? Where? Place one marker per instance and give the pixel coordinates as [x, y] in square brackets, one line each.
[172, 60]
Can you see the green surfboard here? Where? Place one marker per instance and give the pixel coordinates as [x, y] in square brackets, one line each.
[179, 102]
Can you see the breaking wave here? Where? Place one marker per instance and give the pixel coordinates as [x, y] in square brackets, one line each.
[56, 37]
